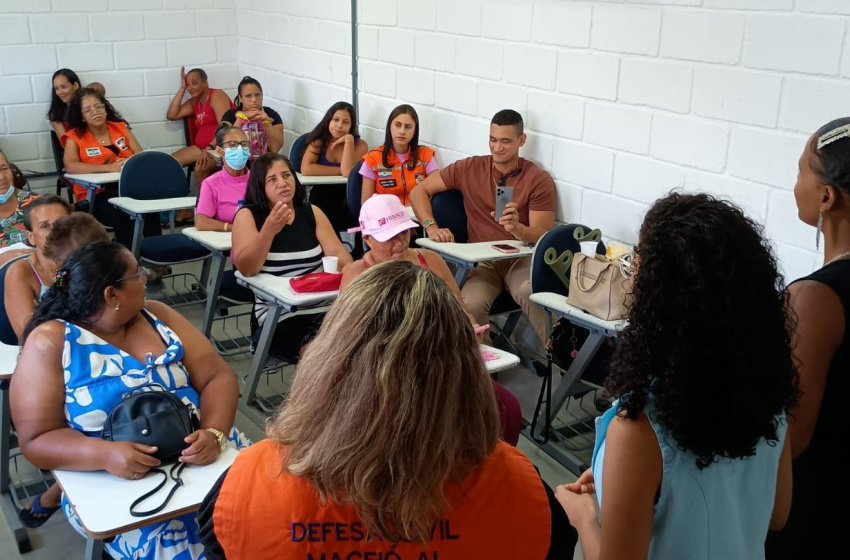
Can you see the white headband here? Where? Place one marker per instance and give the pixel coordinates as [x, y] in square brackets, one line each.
[833, 135]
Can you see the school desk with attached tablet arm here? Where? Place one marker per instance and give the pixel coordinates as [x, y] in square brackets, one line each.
[466, 256]
[102, 500]
[93, 182]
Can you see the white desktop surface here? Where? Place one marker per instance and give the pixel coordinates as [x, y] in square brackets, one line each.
[137, 206]
[94, 178]
[476, 252]
[8, 359]
[278, 289]
[214, 240]
[504, 361]
[558, 304]
[314, 180]
[102, 500]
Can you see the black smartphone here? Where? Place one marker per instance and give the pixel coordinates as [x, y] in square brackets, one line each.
[503, 196]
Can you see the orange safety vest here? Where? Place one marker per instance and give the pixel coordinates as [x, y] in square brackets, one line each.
[398, 179]
[500, 511]
[93, 152]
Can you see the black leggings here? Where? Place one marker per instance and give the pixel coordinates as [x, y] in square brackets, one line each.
[121, 222]
[291, 334]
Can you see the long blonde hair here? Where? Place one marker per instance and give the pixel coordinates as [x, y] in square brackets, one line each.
[390, 402]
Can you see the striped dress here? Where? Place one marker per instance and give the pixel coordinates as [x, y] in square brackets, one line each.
[295, 250]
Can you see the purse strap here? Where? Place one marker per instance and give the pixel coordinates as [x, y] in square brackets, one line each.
[173, 473]
[579, 268]
[545, 389]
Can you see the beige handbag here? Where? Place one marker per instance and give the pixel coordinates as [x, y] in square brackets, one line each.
[598, 286]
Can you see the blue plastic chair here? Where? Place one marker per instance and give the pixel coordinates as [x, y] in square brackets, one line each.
[151, 176]
[553, 256]
[296, 151]
[354, 190]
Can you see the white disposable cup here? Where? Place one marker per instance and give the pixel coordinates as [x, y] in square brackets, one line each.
[589, 248]
[329, 264]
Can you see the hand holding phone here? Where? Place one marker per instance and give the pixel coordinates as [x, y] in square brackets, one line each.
[505, 248]
[503, 196]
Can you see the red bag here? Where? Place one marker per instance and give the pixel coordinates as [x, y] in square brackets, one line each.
[316, 282]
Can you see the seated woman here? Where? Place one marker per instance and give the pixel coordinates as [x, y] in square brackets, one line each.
[386, 230]
[25, 286]
[401, 163]
[693, 455]
[65, 85]
[278, 232]
[205, 107]
[224, 192]
[99, 141]
[262, 125]
[96, 313]
[28, 279]
[333, 148]
[13, 201]
[390, 437]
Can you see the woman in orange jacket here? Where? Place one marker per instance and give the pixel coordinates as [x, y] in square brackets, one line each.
[401, 163]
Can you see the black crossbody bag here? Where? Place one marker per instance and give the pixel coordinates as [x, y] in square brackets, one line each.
[158, 418]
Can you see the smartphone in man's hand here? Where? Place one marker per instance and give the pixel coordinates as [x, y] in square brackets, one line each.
[503, 196]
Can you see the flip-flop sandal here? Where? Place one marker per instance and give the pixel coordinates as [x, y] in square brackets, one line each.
[36, 515]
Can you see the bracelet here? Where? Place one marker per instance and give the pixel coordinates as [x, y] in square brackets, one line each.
[226, 225]
[521, 235]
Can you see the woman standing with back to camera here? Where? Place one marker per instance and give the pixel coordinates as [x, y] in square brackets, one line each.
[822, 346]
[693, 457]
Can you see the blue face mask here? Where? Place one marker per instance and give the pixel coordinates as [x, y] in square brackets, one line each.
[236, 158]
[7, 195]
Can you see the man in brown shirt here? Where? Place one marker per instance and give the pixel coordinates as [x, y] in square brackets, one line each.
[529, 216]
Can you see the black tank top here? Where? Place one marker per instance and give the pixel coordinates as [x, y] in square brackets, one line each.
[819, 508]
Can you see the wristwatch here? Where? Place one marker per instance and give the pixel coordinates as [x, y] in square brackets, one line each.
[220, 438]
[428, 223]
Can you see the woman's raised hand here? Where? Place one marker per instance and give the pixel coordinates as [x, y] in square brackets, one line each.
[281, 215]
[182, 78]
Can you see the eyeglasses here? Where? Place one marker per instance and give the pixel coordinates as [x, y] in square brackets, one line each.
[142, 275]
[92, 108]
[234, 144]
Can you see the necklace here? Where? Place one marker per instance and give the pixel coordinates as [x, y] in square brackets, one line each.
[838, 258]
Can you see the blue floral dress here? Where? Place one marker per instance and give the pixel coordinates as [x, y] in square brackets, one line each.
[97, 376]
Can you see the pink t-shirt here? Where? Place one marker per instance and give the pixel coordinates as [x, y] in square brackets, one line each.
[221, 195]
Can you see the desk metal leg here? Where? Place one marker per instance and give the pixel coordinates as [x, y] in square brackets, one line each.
[18, 531]
[460, 274]
[246, 401]
[213, 291]
[94, 549]
[90, 194]
[566, 388]
[138, 226]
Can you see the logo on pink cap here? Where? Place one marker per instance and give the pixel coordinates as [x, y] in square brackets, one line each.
[383, 217]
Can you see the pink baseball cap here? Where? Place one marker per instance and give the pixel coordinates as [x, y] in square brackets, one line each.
[383, 216]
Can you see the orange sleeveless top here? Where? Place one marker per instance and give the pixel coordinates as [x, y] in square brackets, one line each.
[500, 511]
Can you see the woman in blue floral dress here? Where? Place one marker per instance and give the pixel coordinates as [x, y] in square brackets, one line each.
[93, 340]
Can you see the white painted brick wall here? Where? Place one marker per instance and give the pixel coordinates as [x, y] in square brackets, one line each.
[621, 99]
[133, 48]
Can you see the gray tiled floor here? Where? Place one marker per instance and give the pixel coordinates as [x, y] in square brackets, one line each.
[56, 539]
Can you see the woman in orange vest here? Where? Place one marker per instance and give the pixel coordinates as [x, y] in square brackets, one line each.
[388, 446]
[393, 168]
[99, 141]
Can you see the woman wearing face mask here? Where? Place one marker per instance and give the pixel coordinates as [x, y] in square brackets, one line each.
[401, 163]
[12, 204]
[222, 193]
[262, 125]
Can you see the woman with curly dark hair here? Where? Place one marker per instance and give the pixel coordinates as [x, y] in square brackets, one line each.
[821, 302]
[693, 455]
